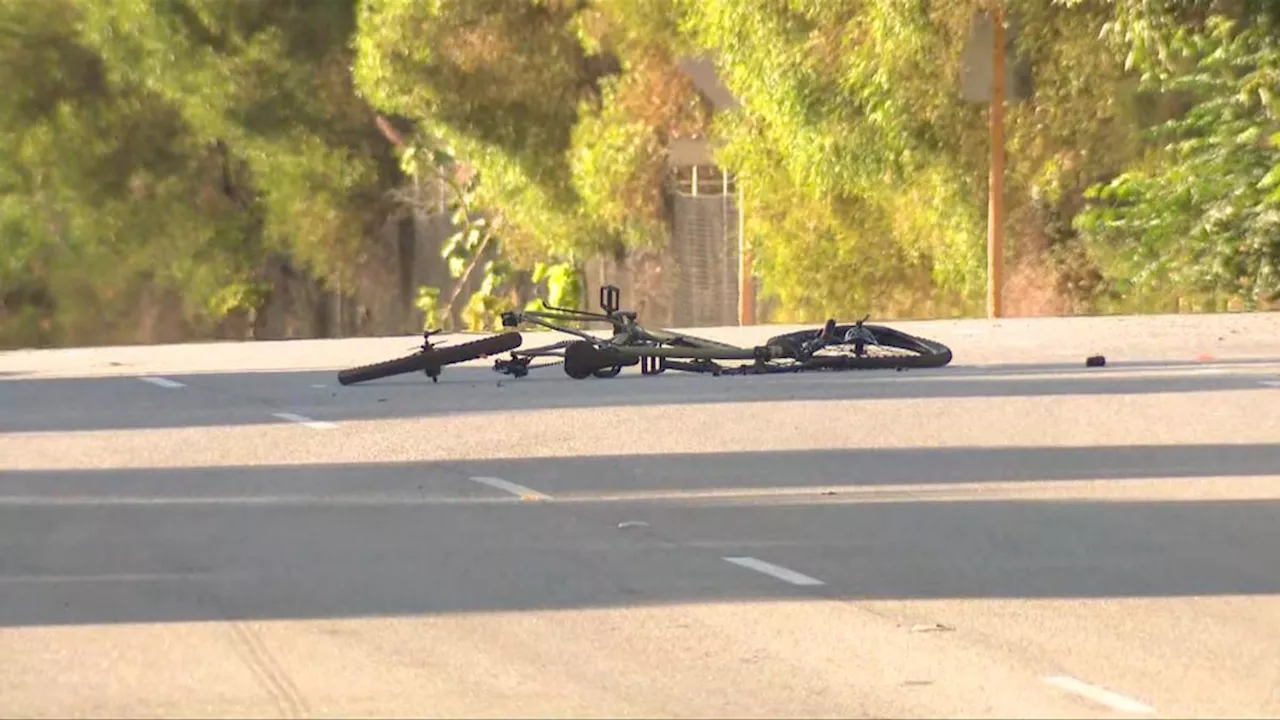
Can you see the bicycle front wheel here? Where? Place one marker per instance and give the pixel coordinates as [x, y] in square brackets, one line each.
[438, 357]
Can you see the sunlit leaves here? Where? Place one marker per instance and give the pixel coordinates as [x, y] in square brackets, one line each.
[269, 79]
[1200, 219]
[561, 109]
[107, 194]
[853, 108]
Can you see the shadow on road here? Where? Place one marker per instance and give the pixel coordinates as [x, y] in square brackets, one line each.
[39, 405]
[338, 541]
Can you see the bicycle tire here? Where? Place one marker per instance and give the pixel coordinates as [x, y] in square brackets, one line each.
[927, 353]
[437, 357]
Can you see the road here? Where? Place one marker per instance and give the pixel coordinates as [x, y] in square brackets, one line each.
[214, 530]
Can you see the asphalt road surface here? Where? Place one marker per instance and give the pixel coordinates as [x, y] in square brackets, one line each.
[222, 530]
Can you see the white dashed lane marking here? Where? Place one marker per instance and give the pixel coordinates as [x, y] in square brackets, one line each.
[777, 571]
[161, 381]
[1102, 696]
[305, 421]
[516, 489]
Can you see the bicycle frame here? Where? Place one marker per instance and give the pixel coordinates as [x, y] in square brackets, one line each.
[630, 342]
[659, 350]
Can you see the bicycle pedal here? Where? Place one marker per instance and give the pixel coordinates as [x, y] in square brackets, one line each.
[610, 299]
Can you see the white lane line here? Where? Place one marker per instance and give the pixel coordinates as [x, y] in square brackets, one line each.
[777, 571]
[1271, 383]
[119, 577]
[304, 420]
[161, 381]
[319, 387]
[269, 500]
[1207, 371]
[516, 489]
[1113, 700]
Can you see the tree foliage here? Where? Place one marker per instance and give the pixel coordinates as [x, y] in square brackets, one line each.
[855, 136]
[1199, 217]
[106, 191]
[176, 152]
[269, 81]
[561, 110]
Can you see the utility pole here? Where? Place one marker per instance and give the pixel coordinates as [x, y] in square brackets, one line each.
[746, 281]
[995, 200]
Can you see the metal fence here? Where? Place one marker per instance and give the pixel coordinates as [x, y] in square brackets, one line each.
[704, 246]
[693, 281]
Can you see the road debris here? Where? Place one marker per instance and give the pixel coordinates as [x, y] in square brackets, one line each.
[931, 627]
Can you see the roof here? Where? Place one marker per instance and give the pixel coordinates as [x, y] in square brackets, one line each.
[701, 71]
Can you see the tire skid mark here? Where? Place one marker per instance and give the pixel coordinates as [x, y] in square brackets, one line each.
[266, 668]
[270, 672]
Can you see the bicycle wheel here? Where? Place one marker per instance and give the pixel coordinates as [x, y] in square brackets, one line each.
[436, 357]
[882, 348]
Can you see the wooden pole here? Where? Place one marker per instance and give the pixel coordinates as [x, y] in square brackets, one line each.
[995, 201]
[746, 286]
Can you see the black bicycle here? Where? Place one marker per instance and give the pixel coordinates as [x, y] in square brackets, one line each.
[431, 358]
[834, 346]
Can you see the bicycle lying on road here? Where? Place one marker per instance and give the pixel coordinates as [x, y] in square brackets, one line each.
[856, 346]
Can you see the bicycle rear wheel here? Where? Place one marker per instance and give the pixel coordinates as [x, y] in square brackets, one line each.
[434, 358]
[891, 350]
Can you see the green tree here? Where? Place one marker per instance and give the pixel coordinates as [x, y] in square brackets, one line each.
[106, 197]
[560, 111]
[866, 171]
[189, 150]
[269, 82]
[1199, 218]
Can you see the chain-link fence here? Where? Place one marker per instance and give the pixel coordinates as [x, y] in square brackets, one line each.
[704, 248]
[693, 281]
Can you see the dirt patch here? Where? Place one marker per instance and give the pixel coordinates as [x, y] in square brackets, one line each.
[1035, 286]
[1032, 290]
